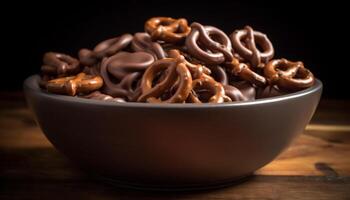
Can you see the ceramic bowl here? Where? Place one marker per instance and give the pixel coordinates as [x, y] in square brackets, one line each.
[172, 146]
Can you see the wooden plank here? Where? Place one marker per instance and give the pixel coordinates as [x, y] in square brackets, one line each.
[305, 155]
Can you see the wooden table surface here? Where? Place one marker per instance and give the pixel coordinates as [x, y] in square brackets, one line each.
[315, 166]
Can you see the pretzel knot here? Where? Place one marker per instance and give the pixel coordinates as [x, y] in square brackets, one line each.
[245, 72]
[209, 44]
[176, 73]
[72, 85]
[104, 49]
[288, 75]
[196, 70]
[246, 42]
[206, 89]
[57, 64]
[167, 29]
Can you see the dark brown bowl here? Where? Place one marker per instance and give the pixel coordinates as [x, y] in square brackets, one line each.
[171, 145]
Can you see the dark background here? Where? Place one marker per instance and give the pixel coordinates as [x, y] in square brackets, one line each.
[313, 33]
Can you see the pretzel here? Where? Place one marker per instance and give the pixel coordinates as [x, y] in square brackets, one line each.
[121, 71]
[104, 49]
[209, 44]
[245, 41]
[202, 80]
[288, 75]
[172, 62]
[167, 29]
[207, 84]
[72, 85]
[143, 42]
[58, 64]
[243, 71]
[176, 70]
[197, 70]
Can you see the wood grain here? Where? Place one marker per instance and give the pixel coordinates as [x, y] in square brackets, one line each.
[315, 166]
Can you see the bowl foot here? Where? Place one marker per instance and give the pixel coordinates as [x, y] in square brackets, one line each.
[173, 188]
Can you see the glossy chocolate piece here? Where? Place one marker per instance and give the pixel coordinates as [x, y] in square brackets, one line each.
[209, 44]
[208, 66]
[104, 49]
[143, 42]
[58, 64]
[245, 42]
[120, 71]
[288, 75]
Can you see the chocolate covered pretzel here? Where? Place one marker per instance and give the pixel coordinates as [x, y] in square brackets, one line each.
[121, 71]
[209, 44]
[104, 49]
[143, 42]
[58, 64]
[246, 41]
[172, 62]
[288, 75]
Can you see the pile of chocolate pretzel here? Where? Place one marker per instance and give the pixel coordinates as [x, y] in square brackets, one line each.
[172, 62]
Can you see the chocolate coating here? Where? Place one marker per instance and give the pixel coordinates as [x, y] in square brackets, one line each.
[123, 63]
[172, 62]
[288, 75]
[122, 70]
[143, 42]
[59, 64]
[244, 43]
[104, 49]
[209, 44]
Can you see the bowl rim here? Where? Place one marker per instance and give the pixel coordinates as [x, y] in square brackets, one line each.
[31, 84]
